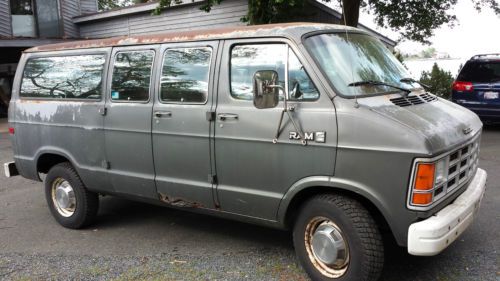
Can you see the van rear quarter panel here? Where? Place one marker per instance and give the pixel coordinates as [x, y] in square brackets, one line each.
[69, 128]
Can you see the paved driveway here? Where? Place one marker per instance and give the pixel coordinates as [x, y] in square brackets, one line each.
[134, 241]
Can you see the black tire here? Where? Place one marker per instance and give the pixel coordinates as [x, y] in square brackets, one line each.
[359, 230]
[87, 203]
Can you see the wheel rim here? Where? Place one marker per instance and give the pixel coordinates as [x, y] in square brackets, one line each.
[63, 197]
[326, 247]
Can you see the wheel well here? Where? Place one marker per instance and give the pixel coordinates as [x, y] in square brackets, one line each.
[300, 198]
[49, 160]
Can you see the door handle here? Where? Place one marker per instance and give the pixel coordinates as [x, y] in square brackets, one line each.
[160, 114]
[227, 116]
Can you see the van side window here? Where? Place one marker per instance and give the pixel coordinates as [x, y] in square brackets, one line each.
[132, 76]
[185, 75]
[248, 59]
[63, 77]
[300, 86]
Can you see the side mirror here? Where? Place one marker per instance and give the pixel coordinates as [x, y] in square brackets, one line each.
[265, 89]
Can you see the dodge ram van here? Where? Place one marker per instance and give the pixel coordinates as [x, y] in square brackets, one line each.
[309, 127]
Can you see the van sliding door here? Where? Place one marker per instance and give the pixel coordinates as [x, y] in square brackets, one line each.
[127, 122]
[181, 129]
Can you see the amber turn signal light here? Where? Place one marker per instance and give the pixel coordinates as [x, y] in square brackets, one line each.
[424, 179]
[422, 198]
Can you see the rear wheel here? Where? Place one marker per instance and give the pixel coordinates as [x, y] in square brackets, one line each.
[336, 238]
[71, 204]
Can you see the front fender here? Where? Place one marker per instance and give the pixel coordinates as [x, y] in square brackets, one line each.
[334, 183]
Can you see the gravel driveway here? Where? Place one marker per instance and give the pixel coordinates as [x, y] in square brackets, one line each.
[132, 241]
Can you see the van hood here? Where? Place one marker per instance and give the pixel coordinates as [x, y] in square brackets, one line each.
[442, 123]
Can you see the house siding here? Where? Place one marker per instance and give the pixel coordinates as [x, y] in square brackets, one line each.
[5, 23]
[183, 18]
[70, 9]
[88, 7]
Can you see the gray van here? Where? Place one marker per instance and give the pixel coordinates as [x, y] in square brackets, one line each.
[309, 127]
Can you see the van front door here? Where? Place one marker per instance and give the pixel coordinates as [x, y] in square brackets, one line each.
[253, 172]
[127, 122]
[181, 130]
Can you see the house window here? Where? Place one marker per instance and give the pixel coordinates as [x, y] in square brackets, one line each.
[47, 13]
[23, 18]
[38, 18]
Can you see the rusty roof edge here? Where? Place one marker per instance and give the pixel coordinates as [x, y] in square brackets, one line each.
[268, 30]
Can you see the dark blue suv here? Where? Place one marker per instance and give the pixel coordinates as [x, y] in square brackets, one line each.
[477, 87]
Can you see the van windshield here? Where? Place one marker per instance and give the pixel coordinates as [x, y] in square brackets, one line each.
[355, 58]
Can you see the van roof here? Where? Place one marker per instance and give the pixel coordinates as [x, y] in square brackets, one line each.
[292, 31]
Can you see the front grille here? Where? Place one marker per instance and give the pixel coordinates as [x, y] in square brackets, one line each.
[461, 166]
[413, 100]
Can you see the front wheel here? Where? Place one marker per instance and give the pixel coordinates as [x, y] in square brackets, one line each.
[71, 204]
[336, 238]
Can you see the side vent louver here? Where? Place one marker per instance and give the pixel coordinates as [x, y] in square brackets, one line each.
[413, 100]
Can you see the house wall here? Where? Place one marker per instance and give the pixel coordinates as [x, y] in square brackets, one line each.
[88, 7]
[182, 18]
[69, 9]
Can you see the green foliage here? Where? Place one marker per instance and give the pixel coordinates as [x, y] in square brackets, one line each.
[400, 57]
[104, 5]
[415, 19]
[438, 80]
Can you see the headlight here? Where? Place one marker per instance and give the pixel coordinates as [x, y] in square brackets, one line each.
[441, 171]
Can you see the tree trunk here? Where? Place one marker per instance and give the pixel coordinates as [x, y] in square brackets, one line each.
[350, 12]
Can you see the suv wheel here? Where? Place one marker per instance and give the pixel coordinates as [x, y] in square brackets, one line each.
[336, 238]
[71, 204]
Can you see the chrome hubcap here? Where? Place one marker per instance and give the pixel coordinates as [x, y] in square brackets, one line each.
[63, 197]
[327, 248]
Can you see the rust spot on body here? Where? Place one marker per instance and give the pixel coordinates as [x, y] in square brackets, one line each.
[179, 202]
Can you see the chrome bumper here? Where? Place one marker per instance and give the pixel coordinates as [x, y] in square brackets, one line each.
[431, 236]
[10, 169]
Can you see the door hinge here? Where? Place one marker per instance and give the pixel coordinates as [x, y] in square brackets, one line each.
[212, 179]
[210, 115]
[103, 111]
[105, 164]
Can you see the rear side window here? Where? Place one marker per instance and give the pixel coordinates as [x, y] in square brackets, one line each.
[132, 76]
[480, 72]
[64, 77]
[185, 75]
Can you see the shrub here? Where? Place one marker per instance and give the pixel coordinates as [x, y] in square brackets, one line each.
[438, 80]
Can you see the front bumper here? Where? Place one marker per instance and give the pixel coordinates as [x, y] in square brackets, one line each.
[431, 236]
[10, 169]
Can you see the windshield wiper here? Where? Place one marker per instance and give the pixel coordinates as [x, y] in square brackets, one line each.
[378, 83]
[411, 80]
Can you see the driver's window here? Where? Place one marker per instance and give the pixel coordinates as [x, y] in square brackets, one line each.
[301, 87]
[248, 59]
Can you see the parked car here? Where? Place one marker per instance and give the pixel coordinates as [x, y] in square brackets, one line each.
[309, 127]
[478, 87]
